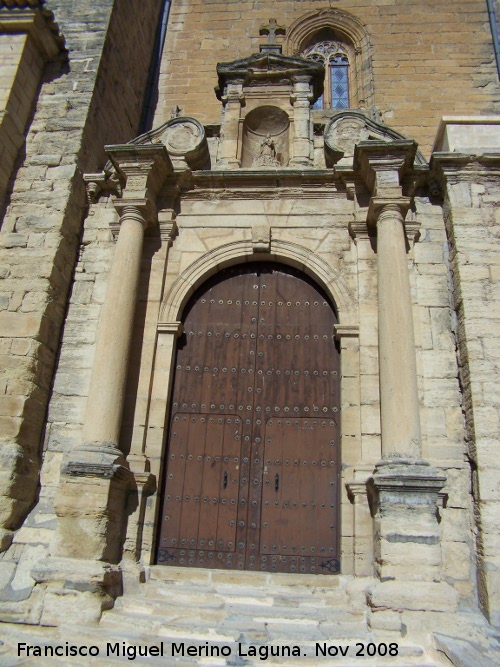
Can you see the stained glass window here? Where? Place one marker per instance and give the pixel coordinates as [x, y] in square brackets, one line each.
[340, 86]
[334, 57]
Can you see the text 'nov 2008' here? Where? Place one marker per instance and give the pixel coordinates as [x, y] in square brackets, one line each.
[182, 649]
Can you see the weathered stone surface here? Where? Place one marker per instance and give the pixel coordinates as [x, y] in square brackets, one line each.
[461, 652]
[414, 595]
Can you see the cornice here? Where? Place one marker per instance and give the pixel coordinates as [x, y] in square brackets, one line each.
[33, 18]
[268, 184]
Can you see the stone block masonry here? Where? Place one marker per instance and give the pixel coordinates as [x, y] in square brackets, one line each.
[80, 107]
[417, 55]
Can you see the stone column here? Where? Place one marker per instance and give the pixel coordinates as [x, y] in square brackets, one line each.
[399, 406]
[101, 427]
[302, 122]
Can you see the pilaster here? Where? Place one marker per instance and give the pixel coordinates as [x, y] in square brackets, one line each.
[302, 122]
[233, 100]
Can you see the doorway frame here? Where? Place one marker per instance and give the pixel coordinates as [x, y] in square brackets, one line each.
[169, 327]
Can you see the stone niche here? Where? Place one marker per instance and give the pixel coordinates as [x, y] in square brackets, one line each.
[267, 119]
[266, 138]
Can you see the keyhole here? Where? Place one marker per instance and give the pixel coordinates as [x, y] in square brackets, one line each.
[276, 482]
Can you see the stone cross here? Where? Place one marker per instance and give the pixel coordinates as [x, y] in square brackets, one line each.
[272, 30]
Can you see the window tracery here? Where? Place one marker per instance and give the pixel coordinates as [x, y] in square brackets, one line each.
[345, 34]
[334, 56]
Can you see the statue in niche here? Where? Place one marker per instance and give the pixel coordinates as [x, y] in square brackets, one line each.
[267, 156]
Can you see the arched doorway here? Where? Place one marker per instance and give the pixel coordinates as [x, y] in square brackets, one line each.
[251, 478]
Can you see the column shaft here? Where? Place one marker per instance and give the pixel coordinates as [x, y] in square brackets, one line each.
[400, 418]
[107, 386]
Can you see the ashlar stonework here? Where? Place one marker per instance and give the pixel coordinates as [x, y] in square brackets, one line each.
[115, 231]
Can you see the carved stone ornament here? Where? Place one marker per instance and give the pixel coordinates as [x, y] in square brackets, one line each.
[102, 182]
[261, 238]
[264, 69]
[349, 128]
[185, 140]
[267, 154]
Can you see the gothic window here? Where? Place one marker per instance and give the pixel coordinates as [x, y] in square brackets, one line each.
[339, 40]
[335, 58]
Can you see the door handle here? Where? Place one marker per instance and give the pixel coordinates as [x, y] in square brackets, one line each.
[225, 479]
[277, 483]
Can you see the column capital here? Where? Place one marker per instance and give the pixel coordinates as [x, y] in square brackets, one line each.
[144, 168]
[141, 209]
[380, 206]
[382, 164]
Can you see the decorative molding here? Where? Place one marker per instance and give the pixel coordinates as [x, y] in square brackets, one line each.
[383, 164]
[33, 18]
[101, 470]
[242, 251]
[167, 225]
[349, 128]
[174, 328]
[360, 230]
[346, 331]
[355, 489]
[261, 238]
[379, 205]
[344, 23]
[262, 69]
[102, 182]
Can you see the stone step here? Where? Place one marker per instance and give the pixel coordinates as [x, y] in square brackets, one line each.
[214, 611]
[242, 605]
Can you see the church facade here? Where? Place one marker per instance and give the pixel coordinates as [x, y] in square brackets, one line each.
[249, 311]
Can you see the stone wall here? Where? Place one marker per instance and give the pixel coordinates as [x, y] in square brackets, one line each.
[472, 224]
[417, 55]
[81, 106]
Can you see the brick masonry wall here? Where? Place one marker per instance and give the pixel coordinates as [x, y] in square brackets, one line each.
[418, 50]
[95, 98]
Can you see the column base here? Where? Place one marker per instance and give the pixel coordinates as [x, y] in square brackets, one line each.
[91, 505]
[76, 591]
[94, 453]
[404, 496]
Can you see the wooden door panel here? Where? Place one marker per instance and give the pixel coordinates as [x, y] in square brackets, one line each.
[200, 505]
[300, 487]
[256, 397]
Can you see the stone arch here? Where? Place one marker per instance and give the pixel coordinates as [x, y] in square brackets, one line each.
[284, 252]
[348, 29]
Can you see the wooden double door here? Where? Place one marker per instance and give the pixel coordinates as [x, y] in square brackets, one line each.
[251, 478]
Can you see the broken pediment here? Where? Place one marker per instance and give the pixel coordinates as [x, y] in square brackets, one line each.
[185, 140]
[347, 129]
[262, 69]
